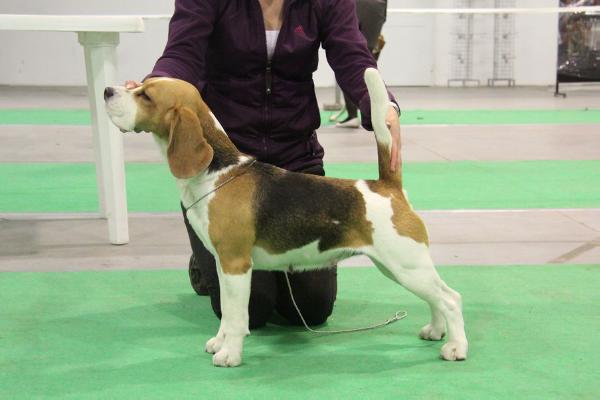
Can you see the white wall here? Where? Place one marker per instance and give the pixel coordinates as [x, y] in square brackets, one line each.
[408, 56]
[56, 58]
[536, 43]
[417, 51]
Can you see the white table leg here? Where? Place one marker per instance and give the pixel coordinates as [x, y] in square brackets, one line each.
[101, 65]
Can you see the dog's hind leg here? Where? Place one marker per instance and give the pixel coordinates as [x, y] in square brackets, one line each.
[419, 276]
[234, 283]
[436, 329]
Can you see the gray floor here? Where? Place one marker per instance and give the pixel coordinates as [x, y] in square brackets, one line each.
[473, 237]
[58, 243]
[423, 98]
[419, 143]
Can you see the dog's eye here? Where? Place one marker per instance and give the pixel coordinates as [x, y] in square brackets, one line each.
[144, 96]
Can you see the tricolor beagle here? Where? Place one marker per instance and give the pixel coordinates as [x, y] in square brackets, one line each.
[253, 215]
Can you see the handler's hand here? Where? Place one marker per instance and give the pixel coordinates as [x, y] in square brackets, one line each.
[393, 122]
[132, 84]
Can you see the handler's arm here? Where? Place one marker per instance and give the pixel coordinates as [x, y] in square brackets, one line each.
[348, 55]
[189, 30]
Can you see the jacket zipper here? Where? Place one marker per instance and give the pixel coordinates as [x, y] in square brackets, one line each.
[268, 90]
[268, 78]
[269, 72]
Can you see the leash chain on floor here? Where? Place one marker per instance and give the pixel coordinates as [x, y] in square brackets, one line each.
[397, 317]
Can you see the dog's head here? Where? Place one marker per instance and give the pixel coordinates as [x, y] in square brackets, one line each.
[172, 110]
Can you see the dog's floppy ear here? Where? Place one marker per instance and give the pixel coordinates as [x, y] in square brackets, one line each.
[188, 151]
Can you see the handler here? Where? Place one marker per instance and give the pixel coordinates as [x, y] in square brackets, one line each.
[252, 61]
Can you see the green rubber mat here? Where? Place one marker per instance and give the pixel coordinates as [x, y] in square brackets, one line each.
[141, 334]
[43, 116]
[490, 117]
[457, 185]
[409, 117]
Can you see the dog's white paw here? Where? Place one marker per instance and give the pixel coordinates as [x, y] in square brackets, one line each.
[454, 351]
[213, 345]
[430, 332]
[227, 358]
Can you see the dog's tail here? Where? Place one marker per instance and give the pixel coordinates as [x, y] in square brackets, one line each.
[380, 104]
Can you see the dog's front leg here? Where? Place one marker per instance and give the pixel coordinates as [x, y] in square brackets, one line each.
[235, 295]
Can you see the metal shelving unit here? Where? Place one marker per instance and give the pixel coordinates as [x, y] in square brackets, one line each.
[504, 45]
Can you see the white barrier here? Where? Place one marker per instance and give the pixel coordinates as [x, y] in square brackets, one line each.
[516, 10]
[534, 10]
[99, 36]
[72, 23]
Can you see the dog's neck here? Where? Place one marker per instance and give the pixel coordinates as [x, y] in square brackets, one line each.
[224, 151]
[195, 188]
[225, 157]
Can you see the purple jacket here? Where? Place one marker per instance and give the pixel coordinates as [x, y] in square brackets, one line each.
[268, 108]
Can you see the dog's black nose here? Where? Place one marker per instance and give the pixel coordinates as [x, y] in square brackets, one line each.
[108, 93]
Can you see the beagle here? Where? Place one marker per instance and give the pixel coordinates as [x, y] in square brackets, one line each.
[254, 215]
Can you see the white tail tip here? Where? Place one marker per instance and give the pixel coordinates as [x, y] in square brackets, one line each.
[380, 104]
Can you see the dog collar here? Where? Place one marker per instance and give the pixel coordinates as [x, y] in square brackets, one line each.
[219, 186]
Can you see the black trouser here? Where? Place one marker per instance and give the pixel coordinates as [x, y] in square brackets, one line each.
[314, 291]
[371, 16]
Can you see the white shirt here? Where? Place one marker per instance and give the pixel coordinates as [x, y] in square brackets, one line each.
[271, 42]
